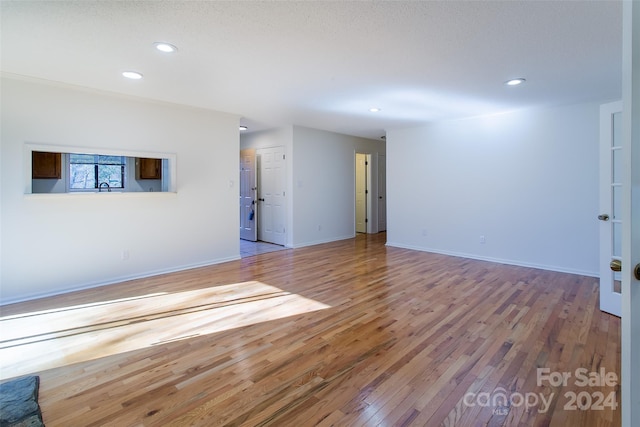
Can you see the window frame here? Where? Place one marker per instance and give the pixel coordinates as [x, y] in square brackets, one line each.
[96, 166]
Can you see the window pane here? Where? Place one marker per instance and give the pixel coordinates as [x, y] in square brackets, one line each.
[616, 140]
[617, 282]
[616, 195]
[82, 158]
[616, 166]
[111, 160]
[82, 176]
[617, 239]
[111, 174]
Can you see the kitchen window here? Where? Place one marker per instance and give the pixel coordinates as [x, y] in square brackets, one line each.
[88, 172]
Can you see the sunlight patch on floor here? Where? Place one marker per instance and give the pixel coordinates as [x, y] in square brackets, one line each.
[47, 339]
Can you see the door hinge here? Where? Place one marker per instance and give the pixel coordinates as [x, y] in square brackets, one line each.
[366, 191]
[283, 194]
[366, 220]
[366, 163]
[283, 157]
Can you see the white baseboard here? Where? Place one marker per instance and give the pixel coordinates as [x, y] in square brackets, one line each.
[114, 280]
[497, 260]
[320, 242]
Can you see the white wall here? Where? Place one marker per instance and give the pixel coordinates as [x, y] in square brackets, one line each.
[320, 181]
[324, 184]
[53, 243]
[526, 180]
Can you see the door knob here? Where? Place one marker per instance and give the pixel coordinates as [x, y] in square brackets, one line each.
[603, 217]
[615, 265]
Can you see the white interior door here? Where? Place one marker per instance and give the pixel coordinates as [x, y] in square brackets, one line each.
[611, 156]
[271, 195]
[382, 192]
[248, 186]
[361, 193]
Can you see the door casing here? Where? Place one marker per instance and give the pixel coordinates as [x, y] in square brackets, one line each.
[631, 213]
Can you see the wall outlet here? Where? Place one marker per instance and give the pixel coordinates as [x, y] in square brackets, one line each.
[125, 254]
[483, 240]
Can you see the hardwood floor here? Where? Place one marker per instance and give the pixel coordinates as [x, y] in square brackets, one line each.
[345, 333]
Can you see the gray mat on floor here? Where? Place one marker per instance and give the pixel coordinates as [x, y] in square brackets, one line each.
[19, 403]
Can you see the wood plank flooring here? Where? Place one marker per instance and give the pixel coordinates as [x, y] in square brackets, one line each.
[350, 333]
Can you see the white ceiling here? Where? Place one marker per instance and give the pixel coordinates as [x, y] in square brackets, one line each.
[323, 64]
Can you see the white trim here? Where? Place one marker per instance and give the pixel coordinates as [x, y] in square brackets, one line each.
[89, 194]
[120, 279]
[320, 242]
[630, 320]
[497, 260]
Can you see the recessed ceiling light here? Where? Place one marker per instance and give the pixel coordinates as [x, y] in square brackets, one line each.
[375, 109]
[243, 128]
[133, 75]
[165, 47]
[515, 82]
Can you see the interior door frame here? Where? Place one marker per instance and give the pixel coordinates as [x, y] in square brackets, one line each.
[370, 225]
[381, 173]
[361, 210]
[248, 186]
[630, 381]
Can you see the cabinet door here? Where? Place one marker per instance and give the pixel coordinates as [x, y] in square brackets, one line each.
[148, 168]
[46, 165]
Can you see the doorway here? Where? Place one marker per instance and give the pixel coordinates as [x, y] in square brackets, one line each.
[362, 196]
[382, 193]
[262, 200]
[271, 195]
[248, 188]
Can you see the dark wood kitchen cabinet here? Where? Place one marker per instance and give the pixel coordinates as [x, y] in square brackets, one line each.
[45, 165]
[148, 168]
